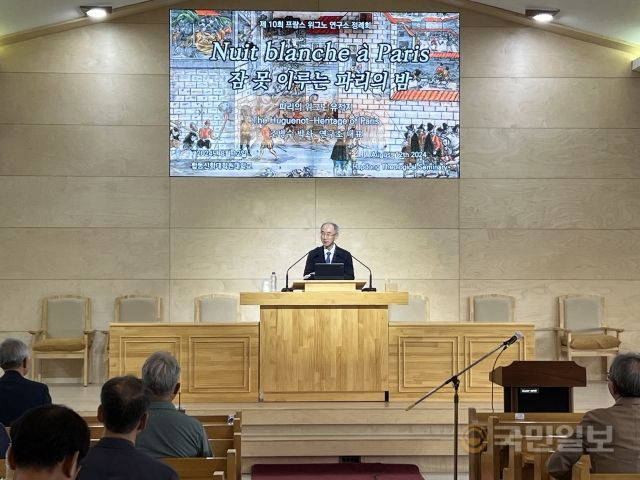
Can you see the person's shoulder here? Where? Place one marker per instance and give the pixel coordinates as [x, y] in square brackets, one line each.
[343, 251]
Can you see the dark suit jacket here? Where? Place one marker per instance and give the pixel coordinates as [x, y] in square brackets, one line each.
[4, 441]
[339, 256]
[19, 394]
[611, 437]
[118, 459]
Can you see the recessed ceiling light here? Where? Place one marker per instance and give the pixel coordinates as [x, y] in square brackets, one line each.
[541, 15]
[97, 12]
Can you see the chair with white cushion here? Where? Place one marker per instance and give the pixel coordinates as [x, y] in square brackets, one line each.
[65, 332]
[581, 331]
[217, 308]
[492, 308]
[138, 309]
[416, 311]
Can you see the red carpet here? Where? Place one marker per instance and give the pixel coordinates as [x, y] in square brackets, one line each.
[349, 471]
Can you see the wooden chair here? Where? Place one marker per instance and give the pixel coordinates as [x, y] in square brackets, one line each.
[138, 309]
[528, 457]
[416, 311]
[582, 471]
[581, 331]
[491, 433]
[217, 308]
[205, 468]
[492, 308]
[65, 332]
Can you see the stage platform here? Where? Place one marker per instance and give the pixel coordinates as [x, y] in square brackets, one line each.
[305, 432]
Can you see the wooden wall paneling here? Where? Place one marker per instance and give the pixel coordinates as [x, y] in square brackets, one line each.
[85, 150]
[63, 99]
[550, 102]
[234, 253]
[550, 203]
[550, 152]
[76, 253]
[550, 254]
[84, 202]
[388, 203]
[249, 203]
[418, 253]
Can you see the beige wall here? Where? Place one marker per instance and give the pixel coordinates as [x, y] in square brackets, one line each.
[549, 202]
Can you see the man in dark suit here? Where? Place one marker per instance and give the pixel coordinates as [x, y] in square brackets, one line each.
[610, 436]
[17, 393]
[329, 252]
[124, 402]
[4, 441]
[48, 443]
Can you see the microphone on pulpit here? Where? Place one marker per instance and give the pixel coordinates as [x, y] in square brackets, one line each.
[286, 278]
[370, 287]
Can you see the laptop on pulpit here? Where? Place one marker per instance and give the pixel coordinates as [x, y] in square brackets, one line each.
[329, 271]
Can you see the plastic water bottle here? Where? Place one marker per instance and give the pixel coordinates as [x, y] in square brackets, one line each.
[274, 282]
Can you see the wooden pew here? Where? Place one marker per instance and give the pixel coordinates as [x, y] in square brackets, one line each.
[205, 468]
[528, 457]
[582, 471]
[489, 435]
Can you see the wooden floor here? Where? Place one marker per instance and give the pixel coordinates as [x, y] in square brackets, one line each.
[288, 432]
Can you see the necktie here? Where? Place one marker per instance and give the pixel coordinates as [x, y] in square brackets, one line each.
[328, 259]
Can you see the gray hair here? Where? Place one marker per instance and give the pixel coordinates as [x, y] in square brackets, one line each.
[12, 353]
[161, 373]
[336, 228]
[625, 373]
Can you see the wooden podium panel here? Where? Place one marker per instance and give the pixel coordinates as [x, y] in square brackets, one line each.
[422, 356]
[219, 362]
[324, 345]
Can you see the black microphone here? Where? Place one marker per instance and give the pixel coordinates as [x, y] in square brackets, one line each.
[286, 279]
[370, 287]
[516, 336]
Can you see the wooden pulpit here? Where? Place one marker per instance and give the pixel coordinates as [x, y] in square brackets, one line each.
[539, 386]
[329, 341]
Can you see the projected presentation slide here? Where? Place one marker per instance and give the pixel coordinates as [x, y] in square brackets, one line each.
[314, 94]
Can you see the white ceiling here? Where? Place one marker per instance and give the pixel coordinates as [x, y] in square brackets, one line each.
[617, 19]
[20, 15]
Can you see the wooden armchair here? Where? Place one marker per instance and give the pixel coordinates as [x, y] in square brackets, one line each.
[416, 311]
[581, 331]
[138, 309]
[492, 308]
[217, 308]
[65, 332]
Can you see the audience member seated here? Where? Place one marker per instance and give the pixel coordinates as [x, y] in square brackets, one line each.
[17, 393]
[610, 436]
[4, 441]
[123, 411]
[47, 443]
[169, 432]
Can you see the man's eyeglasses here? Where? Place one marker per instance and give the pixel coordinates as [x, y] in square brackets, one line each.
[327, 234]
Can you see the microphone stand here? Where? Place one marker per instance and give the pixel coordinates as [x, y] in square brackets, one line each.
[455, 381]
[286, 281]
[370, 287]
